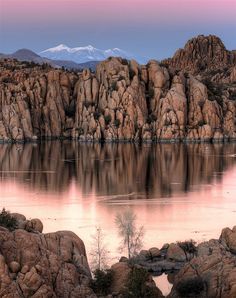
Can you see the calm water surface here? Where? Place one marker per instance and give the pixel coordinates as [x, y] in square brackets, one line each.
[178, 191]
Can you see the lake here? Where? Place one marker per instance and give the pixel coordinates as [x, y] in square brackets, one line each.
[177, 191]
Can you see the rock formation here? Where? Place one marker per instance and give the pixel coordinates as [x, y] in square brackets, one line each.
[50, 265]
[33, 264]
[200, 53]
[123, 101]
[212, 273]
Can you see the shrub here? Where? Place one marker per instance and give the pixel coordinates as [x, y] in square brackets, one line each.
[30, 64]
[46, 66]
[121, 78]
[201, 123]
[131, 73]
[201, 103]
[214, 90]
[136, 285]
[9, 80]
[151, 118]
[190, 287]
[114, 86]
[117, 122]
[70, 110]
[232, 95]
[107, 119]
[164, 64]
[101, 283]
[96, 115]
[188, 246]
[124, 61]
[80, 131]
[86, 104]
[7, 221]
[151, 92]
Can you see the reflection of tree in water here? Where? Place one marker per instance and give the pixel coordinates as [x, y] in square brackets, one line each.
[148, 171]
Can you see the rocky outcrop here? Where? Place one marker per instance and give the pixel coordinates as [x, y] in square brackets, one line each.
[49, 265]
[122, 101]
[201, 53]
[122, 276]
[212, 273]
[33, 264]
[170, 258]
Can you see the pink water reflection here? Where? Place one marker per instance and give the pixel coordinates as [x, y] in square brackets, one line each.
[200, 215]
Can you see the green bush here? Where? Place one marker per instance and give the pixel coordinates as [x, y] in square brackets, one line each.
[131, 73]
[151, 92]
[121, 78]
[124, 61]
[232, 95]
[80, 131]
[107, 119]
[201, 123]
[101, 283]
[70, 110]
[214, 90]
[188, 246]
[86, 104]
[96, 115]
[190, 287]
[7, 221]
[114, 86]
[151, 118]
[136, 286]
[9, 80]
[117, 122]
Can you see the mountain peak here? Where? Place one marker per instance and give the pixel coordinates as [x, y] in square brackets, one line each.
[25, 53]
[60, 47]
[86, 53]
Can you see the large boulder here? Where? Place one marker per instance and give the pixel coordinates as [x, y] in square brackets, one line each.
[228, 237]
[212, 273]
[33, 264]
[175, 253]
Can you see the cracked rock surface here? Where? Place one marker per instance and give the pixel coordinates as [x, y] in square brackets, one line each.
[33, 264]
[122, 100]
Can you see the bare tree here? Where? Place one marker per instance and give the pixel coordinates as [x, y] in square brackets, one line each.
[98, 250]
[130, 234]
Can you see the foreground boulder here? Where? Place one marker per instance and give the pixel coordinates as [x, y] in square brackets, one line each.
[133, 280]
[33, 264]
[212, 273]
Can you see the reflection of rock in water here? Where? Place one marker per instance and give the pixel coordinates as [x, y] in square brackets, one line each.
[111, 169]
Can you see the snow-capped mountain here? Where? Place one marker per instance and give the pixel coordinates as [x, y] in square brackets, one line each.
[85, 54]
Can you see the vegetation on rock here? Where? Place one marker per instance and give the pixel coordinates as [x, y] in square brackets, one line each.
[101, 283]
[7, 221]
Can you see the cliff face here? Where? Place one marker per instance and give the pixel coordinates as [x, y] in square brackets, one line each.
[121, 101]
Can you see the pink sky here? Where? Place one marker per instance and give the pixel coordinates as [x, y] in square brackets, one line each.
[90, 11]
[146, 26]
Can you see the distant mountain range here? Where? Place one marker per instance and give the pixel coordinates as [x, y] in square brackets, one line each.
[28, 55]
[85, 54]
[71, 58]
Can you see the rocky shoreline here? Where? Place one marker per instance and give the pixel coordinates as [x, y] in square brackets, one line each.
[123, 101]
[33, 264]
